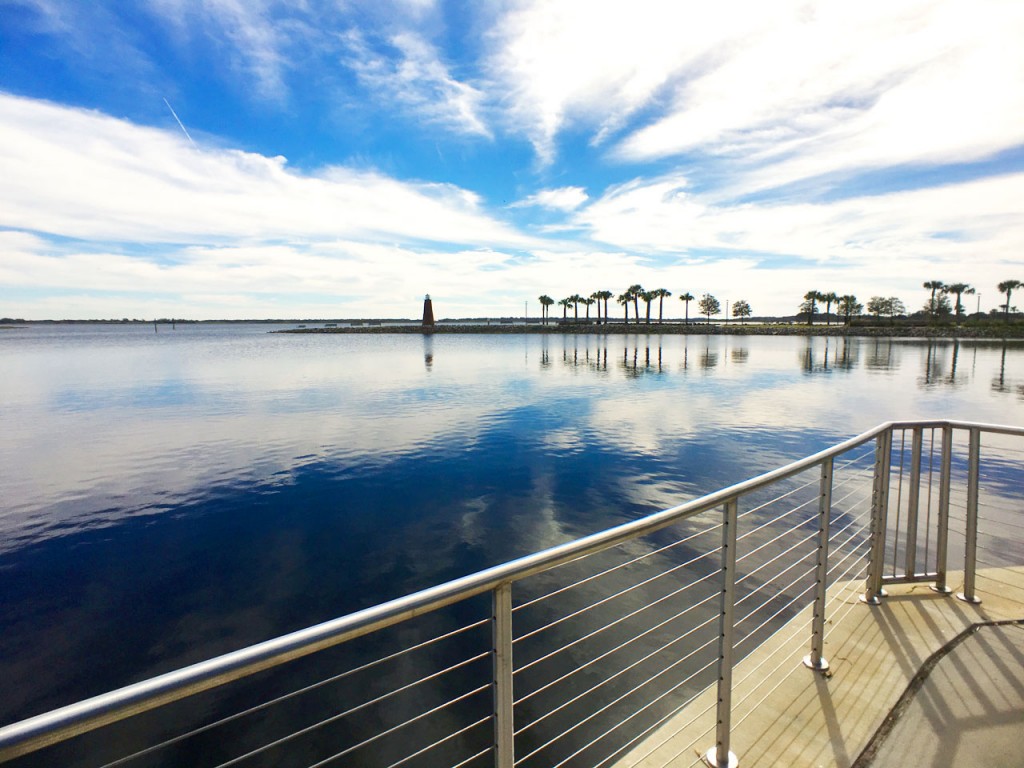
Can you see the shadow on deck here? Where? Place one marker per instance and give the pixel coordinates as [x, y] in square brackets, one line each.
[872, 707]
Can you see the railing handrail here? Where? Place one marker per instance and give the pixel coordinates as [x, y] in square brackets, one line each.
[59, 724]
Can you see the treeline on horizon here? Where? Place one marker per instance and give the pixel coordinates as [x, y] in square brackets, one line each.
[938, 307]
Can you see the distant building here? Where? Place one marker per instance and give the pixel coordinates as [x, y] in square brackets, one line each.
[428, 312]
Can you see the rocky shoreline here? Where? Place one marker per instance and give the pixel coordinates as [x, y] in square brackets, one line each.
[993, 331]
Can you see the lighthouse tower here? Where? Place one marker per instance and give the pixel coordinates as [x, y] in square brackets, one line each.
[428, 312]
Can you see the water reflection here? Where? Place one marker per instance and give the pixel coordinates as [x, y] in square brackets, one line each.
[223, 487]
[428, 351]
[1000, 382]
[827, 354]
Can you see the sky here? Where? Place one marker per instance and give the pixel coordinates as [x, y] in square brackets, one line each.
[341, 158]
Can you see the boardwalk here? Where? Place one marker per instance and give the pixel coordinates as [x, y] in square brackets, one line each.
[810, 719]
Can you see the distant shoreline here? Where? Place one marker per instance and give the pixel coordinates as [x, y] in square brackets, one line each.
[679, 329]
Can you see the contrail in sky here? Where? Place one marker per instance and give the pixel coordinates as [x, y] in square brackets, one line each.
[180, 123]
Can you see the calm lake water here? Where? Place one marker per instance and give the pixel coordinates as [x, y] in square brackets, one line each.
[166, 497]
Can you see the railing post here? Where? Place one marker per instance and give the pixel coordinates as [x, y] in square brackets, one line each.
[971, 546]
[873, 592]
[913, 501]
[719, 755]
[501, 634]
[942, 540]
[816, 660]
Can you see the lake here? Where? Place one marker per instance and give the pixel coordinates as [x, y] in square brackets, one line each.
[169, 496]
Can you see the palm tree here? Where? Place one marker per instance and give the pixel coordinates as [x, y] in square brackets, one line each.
[576, 299]
[687, 298]
[597, 300]
[603, 296]
[849, 306]
[636, 291]
[660, 294]
[1007, 287]
[648, 297]
[588, 303]
[934, 286]
[829, 298]
[624, 299]
[564, 304]
[810, 305]
[959, 289]
[545, 302]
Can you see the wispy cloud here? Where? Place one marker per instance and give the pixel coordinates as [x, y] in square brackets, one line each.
[561, 199]
[408, 72]
[559, 63]
[804, 89]
[146, 185]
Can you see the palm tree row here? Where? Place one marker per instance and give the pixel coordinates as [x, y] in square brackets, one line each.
[632, 295]
[847, 305]
[938, 304]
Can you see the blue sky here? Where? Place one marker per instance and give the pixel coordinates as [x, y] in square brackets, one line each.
[344, 158]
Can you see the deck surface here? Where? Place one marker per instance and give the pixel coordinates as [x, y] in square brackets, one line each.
[967, 710]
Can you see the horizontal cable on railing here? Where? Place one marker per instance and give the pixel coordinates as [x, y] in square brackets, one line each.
[605, 572]
[703, 737]
[767, 621]
[770, 583]
[768, 693]
[594, 660]
[795, 630]
[778, 498]
[766, 563]
[850, 605]
[850, 585]
[292, 694]
[861, 535]
[852, 520]
[619, 698]
[868, 454]
[622, 722]
[846, 479]
[774, 521]
[471, 758]
[837, 502]
[1000, 523]
[865, 545]
[622, 671]
[619, 620]
[660, 722]
[439, 742]
[360, 707]
[392, 729]
[618, 594]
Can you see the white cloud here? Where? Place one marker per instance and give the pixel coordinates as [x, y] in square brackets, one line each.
[796, 89]
[415, 79]
[560, 199]
[848, 87]
[558, 62]
[81, 174]
[257, 45]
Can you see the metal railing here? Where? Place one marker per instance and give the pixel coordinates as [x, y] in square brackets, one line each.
[577, 654]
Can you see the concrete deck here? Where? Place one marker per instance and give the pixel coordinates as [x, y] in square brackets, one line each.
[969, 703]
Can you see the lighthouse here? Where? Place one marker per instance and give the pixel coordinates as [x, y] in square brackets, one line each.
[428, 312]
